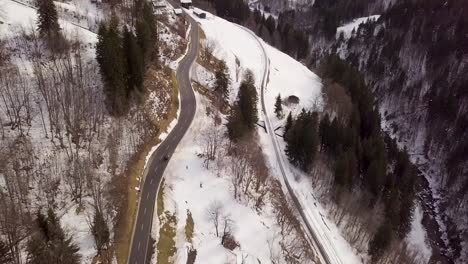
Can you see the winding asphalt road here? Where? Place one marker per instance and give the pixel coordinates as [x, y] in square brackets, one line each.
[140, 248]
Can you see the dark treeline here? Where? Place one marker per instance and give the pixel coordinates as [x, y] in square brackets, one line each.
[364, 157]
[277, 33]
[122, 53]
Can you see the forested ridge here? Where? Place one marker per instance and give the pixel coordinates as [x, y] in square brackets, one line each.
[362, 157]
[412, 62]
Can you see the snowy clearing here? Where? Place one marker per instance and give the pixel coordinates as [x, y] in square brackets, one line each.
[348, 28]
[189, 186]
[417, 237]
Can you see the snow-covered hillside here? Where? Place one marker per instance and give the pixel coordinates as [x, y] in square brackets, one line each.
[62, 149]
[16, 18]
[349, 28]
[191, 187]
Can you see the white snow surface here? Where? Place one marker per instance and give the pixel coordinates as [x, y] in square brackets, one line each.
[77, 223]
[347, 29]
[16, 17]
[232, 42]
[189, 186]
[287, 77]
[417, 237]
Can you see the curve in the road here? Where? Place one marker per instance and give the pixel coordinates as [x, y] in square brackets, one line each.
[140, 244]
[312, 234]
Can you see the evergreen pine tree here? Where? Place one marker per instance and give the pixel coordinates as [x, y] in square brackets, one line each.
[302, 140]
[100, 231]
[50, 244]
[111, 58]
[247, 100]
[380, 241]
[235, 125]
[341, 170]
[288, 124]
[222, 81]
[135, 67]
[47, 21]
[146, 31]
[279, 107]
[270, 24]
[5, 256]
[324, 130]
[243, 116]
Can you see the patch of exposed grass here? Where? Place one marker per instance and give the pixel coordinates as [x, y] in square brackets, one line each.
[135, 169]
[166, 244]
[189, 227]
[164, 124]
[124, 227]
[201, 33]
[160, 200]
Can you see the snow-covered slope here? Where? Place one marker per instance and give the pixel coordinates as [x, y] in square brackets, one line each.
[348, 28]
[15, 18]
[231, 43]
[52, 154]
[188, 181]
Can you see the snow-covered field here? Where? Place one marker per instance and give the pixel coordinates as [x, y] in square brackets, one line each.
[189, 186]
[348, 28]
[232, 42]
[188, 181]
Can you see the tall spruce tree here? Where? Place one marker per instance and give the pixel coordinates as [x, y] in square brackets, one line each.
[302, 140]
[288, 125]
[47, 22]
[324, 129]
[279, 106]
[222, 81]
[235, 125]
[247, 100]
[380, 241]
[146, 30]
[135, 67]
[5, 255]
[100, 231]
[50, 244]
[111, 58]
[243, 116]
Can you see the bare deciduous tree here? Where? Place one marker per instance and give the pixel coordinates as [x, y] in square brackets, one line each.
[209, 47]
[214, 213]
[16, 98]
[211, 139]
[228, 227]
